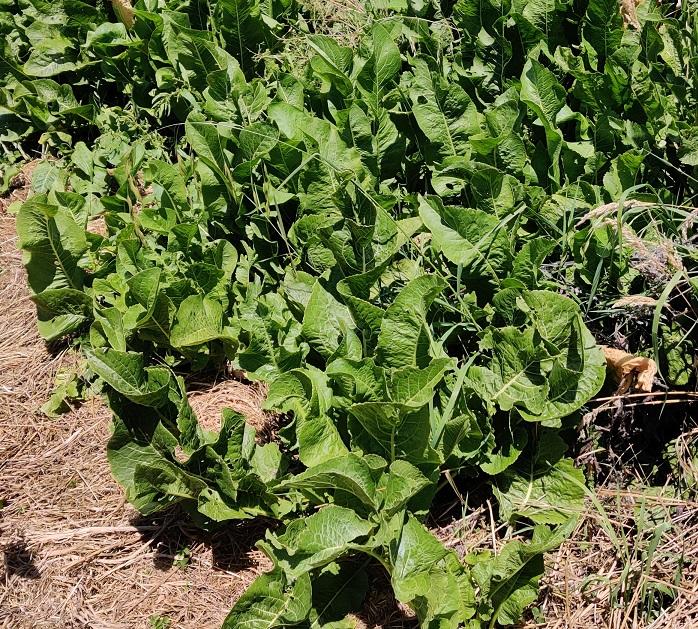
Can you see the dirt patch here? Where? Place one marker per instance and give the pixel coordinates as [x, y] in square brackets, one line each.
[74, 554]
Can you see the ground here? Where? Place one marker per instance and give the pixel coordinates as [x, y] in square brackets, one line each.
[76, 555]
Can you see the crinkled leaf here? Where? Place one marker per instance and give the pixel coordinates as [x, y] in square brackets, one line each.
[271, 601]
[349, 473]
[124, 372]
[199, 320]
[405, 339]
[544, 487]
[316, 541]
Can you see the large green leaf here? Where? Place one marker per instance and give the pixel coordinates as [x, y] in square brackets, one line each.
[381, 68]
[349, 473]
[124, 371]
[199, 320]
[271, 601]
[470, 238]
[392, 431]
[545, 97]
[430, 579]
[405, 339]
[515, 375]
[244, 28]
[414, 387]
[61, 311]
[547, 370]
[316, 541]
[53, 243]
[543, 486]
[509, 582]
[443, 110]
[319, 440]
[402, 483]
[325, 321]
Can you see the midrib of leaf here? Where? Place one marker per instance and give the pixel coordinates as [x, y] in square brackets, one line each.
[511, 381]
[429, 384]
[135, 390]
[483, 258]
[198, 53]
[274, 619]
[448, 128]
[380, 435]
[493, 236]
[56, 253]
[269, 342]
[509, 587]
[435, 100]
[326, 58]
[476, 247]
[238, 33]
[344, 586]
[529, 489]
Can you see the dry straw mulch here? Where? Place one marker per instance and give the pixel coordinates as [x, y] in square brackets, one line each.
[632, 563]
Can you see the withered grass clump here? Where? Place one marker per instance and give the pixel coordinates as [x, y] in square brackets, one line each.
[632, 562]
[208, 399]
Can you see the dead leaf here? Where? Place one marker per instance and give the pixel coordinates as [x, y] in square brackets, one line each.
[635, 301]
[628, 11]
[630, 371]
[124, 11]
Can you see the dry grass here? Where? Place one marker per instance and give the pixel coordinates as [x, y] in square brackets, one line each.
[208, 399]
[75, 555]
[343, 20]
[657, 260]
[631, 563]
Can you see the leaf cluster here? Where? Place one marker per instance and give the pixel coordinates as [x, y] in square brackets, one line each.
[384, 234]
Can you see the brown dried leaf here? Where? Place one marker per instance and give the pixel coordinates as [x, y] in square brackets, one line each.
[98, 226]
[635, 301]
[630, 371]
[124, 11]
[628, 11]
